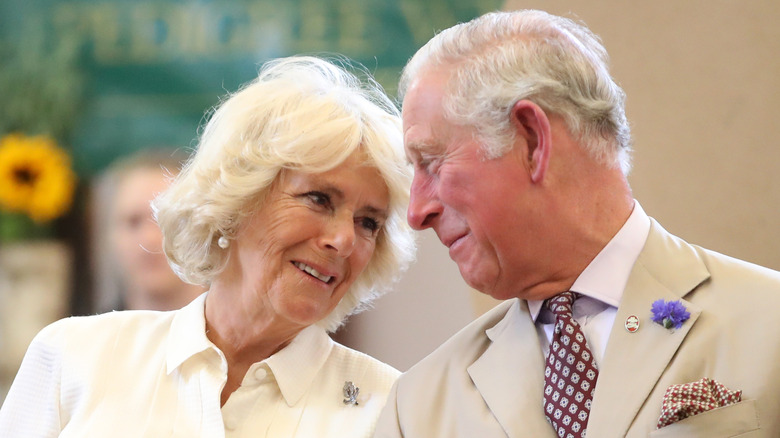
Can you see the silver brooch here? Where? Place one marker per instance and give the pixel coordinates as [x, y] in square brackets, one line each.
[350, 393]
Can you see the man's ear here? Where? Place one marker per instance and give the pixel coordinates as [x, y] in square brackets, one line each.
[533, 126]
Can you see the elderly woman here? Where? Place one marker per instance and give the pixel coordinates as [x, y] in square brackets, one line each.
[292, 212]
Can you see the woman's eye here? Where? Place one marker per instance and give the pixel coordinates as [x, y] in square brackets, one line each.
[369, 224]
[319, 198]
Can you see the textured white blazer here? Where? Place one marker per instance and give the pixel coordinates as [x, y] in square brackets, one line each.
[156, 374]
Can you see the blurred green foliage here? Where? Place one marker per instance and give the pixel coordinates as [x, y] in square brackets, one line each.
[41, 86]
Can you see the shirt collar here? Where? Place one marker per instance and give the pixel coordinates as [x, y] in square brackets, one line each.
[188, 333]
[606, 276]
[296, 365]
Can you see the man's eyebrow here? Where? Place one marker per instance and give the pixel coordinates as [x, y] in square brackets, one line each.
[420, 149]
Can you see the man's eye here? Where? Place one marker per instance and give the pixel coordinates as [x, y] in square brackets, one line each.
[430, 164]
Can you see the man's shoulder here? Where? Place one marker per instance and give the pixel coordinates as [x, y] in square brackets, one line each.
[727, 266]
[715, 281]
[664, 253]
[465, 346]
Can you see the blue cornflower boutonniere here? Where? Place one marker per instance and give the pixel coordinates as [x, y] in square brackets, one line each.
[669, 313]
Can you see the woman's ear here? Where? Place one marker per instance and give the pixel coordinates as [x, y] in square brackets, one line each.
[533, 126]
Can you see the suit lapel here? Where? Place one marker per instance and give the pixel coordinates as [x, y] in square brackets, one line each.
[514, 397]
[668, 269]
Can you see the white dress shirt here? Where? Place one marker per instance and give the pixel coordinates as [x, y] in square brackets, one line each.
[601, 286]
[156, 374]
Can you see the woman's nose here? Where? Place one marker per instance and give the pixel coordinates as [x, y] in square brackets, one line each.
[340, 235]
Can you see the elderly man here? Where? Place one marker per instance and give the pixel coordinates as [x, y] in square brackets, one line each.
[520, 146]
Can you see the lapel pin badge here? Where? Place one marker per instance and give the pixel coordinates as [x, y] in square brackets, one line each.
[632, 324]
[350, 393]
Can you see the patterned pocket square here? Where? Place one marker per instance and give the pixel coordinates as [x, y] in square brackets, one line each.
[689, 399]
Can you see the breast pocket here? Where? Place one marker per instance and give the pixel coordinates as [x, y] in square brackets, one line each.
[730, 421]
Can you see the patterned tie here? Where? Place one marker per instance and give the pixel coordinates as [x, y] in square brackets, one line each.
[570, 373]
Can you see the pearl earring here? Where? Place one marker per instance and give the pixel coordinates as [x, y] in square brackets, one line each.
[223, 242]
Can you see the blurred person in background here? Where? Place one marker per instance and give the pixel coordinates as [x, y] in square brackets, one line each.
[131, 270]
[292, 213]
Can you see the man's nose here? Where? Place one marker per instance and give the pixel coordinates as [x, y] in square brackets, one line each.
[424, 206]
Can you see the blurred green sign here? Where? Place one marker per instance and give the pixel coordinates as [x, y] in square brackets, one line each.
[110, 77]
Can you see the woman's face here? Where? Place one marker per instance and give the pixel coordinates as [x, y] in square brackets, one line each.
[313, 236]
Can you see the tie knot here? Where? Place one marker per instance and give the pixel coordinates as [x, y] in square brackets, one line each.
[561, 303]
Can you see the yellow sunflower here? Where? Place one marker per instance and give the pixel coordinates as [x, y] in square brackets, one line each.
[35, 177]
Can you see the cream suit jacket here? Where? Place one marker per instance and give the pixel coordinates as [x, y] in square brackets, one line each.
[486, 381]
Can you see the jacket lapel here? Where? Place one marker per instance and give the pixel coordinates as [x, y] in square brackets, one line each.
[668, 269]
[514, 397]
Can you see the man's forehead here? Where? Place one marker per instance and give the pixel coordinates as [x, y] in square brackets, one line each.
[421, 113]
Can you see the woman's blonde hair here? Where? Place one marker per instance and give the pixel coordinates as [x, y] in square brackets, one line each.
[301, 113]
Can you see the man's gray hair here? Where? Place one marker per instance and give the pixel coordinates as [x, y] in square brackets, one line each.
[501, 58]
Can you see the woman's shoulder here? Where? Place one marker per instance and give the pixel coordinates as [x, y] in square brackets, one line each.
[359, 363]
[110, 322]
[89, 333]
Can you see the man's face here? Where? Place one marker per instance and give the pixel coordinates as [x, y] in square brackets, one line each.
[476, 206]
